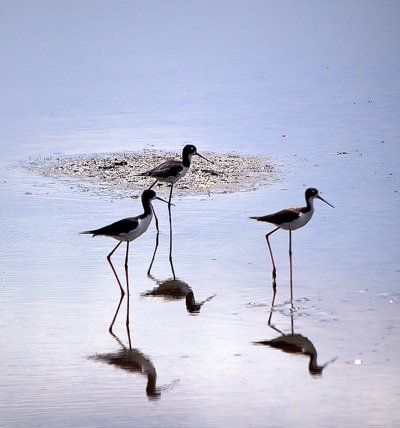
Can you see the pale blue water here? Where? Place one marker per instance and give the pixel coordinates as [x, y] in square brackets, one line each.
[296, 82]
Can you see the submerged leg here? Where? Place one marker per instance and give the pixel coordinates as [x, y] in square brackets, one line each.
[128, 331]
[273, 266]
[170, 232]
[115, 315]
[270, 312]
[112, 267]
[156, 247]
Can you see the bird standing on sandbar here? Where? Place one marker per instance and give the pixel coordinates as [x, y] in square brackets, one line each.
[290, 219]
[170, 172]
[127, 230]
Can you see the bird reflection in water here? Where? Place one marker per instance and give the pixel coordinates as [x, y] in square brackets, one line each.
[130, 359]
[294, 343]
[175, 289]
[157, 242]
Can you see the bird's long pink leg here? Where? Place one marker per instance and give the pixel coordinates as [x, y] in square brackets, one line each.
[126, 267]
[273, 266]
[170, 231]
[112, 267]
[157, 236]
[170, 195]
[127, 284]
[127, 291]
[291, 268]
[152, 185]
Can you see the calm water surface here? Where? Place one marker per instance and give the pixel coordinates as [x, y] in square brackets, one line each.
[246, 77]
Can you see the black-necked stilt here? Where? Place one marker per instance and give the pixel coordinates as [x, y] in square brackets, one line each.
[127, 230]
[290, 219]
[171, 171]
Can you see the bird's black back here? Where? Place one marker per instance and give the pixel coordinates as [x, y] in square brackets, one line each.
[125, 225]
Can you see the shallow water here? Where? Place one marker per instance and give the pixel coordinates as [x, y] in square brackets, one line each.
[234, 80]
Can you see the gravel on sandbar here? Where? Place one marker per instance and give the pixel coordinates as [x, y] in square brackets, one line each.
[116, 174]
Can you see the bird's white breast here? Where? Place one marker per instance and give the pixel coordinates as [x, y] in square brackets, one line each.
[174, 178]
[301, 221]
[142, 226]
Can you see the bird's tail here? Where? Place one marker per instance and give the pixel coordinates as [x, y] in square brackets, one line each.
[88, 232]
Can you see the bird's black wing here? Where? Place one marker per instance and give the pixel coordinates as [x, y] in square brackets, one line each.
[119, 227]
[280, 217]
[166, 169]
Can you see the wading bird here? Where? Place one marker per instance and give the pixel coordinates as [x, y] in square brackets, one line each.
[290, 219]
[170, 172]
[127, 230]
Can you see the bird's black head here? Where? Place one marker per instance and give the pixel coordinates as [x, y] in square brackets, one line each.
[189, 149]
[311, 193]
[148, 195]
